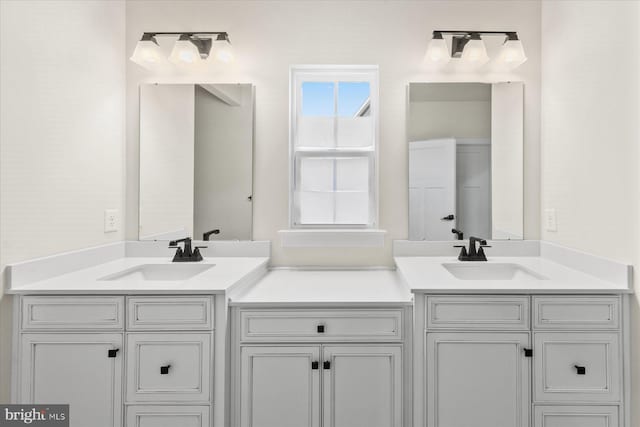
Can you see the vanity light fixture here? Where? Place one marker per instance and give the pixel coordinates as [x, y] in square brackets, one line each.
[190, 48]
[469, 47]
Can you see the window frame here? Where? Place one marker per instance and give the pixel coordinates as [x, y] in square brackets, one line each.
[332, 73]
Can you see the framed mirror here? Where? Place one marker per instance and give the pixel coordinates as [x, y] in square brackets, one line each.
[465, 160]
[196, 161]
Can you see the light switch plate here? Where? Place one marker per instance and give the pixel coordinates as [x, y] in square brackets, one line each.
[550, 220]
[111, 220]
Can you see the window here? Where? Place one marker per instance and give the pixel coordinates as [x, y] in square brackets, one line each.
[334, 113]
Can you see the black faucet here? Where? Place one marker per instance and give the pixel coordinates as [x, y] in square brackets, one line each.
[205, 236]
[473, 254]
[186, 254]
[459, 234]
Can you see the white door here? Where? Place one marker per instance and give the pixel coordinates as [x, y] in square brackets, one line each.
[362, 386]
[478, 379]
[432, 189]
[280, 386]
[473, 187]
[77, 369]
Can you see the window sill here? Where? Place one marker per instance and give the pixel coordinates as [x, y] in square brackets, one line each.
[333, 238]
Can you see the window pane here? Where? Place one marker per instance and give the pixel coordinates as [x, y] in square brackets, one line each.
[355, 132]
[318, 99]
[315, 132]
[353, 174]
[352, 208]
[353, 99]
[316, 174]
[316, 208]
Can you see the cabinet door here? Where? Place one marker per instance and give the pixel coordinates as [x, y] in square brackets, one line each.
[362, 386]
[76, 369]
[280, 386]
[478, 379]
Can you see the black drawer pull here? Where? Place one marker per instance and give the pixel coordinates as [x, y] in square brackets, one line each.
[314, 365]
[320, 329]
[164, 370]
[580, 370]
[113, 353]
[528, 352]
[326, 365]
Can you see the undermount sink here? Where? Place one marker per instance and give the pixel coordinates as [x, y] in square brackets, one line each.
[168, 272]
[491, 271]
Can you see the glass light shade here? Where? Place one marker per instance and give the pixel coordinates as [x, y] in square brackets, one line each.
[512, 54]
[437, 52]
[147, 54]
[184, 53]
[223, 51]
[475, 53]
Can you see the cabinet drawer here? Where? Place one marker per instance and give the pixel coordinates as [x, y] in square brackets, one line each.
[577, 366]
[576, 416]
[52, 312]
[478, 312]
[325, 325]
[167, 416]
[171, 367]
[164, 313]
[576, 312]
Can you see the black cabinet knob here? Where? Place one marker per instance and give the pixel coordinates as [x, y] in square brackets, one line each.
[164, 370]
[113, 352]
[326, 365]
[320, 329]
[580, 370]
[314, 365]
[528, 352]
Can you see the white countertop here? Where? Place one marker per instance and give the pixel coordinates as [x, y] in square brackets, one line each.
[226, 273]
[426, 274]
[324, 287]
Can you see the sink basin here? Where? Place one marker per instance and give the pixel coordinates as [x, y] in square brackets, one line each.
[491, 271]
[168, 272]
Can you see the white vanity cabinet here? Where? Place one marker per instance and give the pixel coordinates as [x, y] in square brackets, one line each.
[519, 361]
[135, 361]
[319, 367]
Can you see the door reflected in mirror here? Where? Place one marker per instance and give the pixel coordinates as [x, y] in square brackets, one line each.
[196, 161]
[465, 160]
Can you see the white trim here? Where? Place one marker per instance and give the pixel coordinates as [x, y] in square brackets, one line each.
[337, 73]
[353, 238]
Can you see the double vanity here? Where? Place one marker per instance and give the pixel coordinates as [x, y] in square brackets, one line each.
[130, 338]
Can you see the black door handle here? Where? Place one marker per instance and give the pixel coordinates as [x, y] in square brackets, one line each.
[113, 352]
[164, 370]
[314, 365]
[326, 365]
[449, 217]
[580, 370]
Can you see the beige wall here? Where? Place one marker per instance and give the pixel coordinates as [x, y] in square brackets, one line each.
[441, 119]
[591, 134]
[62, 81]
[269, 36]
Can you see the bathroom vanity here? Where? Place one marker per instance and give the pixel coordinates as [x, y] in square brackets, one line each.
[540, 339]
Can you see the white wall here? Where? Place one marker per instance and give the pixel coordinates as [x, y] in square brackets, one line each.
[167, 129]
[591, 133]
[269, 36]
[62, 80]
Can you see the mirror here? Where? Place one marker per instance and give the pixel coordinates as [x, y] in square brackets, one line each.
[196, 161]
[465, 160]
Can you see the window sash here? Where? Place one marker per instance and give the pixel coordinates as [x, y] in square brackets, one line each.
[298, 153]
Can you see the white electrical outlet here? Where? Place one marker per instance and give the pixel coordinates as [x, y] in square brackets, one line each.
[550, 220]
[110, 220]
